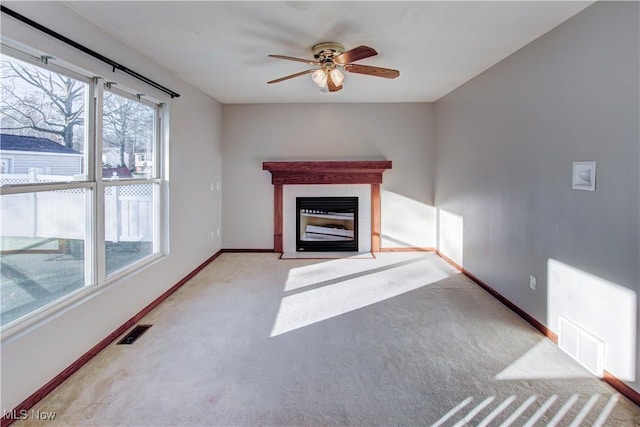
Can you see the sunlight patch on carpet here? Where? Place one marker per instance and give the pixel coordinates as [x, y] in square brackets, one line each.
[338, 269]
[539, 363]
[357, 290]
[589, 410]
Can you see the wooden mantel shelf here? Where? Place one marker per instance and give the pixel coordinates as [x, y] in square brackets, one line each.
[327, 172]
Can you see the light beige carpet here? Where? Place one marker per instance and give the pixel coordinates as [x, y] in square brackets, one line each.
[399, 340]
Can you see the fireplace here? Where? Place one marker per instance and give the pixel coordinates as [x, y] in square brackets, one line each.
[326, 224]
[317, 177]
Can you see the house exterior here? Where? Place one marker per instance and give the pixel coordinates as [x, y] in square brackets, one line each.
[144, 163]
[27, 154]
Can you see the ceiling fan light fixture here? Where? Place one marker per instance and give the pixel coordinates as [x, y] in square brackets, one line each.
[337, 76]
[331, 62]
[319, 77]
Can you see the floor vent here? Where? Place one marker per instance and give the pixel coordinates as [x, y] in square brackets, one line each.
[582, 346]
[134, 334]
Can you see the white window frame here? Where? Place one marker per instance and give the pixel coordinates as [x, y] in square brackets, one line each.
[95, 277]
[156, 181]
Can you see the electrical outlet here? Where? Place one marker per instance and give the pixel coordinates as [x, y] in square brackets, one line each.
[212, 186]
[532, 282]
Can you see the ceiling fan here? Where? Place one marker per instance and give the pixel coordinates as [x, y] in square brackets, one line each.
[331, 58]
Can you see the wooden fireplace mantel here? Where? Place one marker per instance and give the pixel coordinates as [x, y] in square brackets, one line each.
[327, 172]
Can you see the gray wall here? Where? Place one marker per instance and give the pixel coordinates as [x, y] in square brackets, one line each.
[505, 145]
[402, 133]
[34, 355]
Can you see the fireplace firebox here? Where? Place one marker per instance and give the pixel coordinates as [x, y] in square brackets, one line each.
[326, 224]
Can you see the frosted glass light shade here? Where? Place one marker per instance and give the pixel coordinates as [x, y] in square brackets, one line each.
[319, 77]
[337, 76]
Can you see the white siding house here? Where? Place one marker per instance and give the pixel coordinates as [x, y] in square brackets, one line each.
[24, 155]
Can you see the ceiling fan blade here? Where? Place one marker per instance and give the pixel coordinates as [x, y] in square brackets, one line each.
[331, 84]
[387, 73]
[355, 54]
[301, 73]
[291, 58]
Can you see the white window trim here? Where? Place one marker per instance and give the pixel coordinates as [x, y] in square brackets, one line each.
[96, 280]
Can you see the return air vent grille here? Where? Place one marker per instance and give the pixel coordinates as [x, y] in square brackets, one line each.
[582, 346]
[134, 334]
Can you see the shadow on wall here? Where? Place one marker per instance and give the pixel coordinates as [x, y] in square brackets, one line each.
[595, 319]
[406, 222]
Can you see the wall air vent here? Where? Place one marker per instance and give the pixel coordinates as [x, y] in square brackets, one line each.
[134, 334]
[587, 349]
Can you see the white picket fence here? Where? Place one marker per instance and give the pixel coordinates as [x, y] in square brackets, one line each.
[129, 213]
[61, 214]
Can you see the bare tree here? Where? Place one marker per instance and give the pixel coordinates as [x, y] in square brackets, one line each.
[127, 125]
[40, 100]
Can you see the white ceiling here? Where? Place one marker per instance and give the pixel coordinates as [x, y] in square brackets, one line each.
[221, 47]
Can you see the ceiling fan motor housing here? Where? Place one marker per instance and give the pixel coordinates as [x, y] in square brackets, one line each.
[326, 50]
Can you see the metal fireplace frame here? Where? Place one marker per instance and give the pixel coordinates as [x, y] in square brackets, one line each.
[330, 204]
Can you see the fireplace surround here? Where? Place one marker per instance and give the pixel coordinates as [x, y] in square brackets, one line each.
[308, 174]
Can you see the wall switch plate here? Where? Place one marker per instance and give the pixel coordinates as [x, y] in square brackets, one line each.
[532, 282]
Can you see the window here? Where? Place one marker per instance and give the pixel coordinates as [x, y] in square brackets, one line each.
[6, 165]
[44, 248]
[43, 123]
[128, 135]
[75, 210]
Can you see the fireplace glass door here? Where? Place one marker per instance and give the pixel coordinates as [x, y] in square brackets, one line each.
[327, 224]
